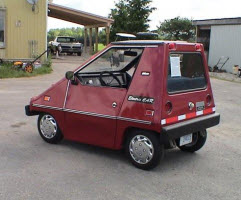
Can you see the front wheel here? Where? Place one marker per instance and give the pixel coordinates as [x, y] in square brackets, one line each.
[144, 149]
[49, 129]
[198, 141]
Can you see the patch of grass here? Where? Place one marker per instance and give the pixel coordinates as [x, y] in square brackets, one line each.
[101, 47]
[49, 61]
[7, 71]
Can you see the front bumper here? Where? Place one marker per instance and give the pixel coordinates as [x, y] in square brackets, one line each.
[71, 50]
[191, 126]
[28, 112]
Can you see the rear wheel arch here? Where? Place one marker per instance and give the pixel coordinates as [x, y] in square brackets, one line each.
[132, 129]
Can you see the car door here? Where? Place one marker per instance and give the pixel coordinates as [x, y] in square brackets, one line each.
[91, 109]
[90, 114]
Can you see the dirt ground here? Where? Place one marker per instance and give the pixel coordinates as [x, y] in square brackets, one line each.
[226, 76]
[33, 169]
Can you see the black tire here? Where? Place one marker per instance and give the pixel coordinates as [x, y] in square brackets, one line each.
[79, 54]
[239, 73]
[58, 136]
[199, 139]
[158, 149]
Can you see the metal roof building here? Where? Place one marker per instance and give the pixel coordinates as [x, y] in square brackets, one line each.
[221, 39]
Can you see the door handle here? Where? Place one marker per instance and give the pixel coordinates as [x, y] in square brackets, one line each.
[114, 104]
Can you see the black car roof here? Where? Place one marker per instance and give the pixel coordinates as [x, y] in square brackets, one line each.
[146, 42]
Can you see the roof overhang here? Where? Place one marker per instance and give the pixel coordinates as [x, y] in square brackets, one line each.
[222, 21]
[77, 16]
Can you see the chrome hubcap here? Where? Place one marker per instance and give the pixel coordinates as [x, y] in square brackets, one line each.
[141, 149]
[48, 126]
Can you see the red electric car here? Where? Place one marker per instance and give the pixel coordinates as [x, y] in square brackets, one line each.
[143, 96]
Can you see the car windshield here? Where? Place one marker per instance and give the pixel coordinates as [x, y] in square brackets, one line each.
[115, 59]
[66, 39]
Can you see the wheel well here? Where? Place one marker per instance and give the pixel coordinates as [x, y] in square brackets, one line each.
[44, 113]
[130, 129]
[35, 113]
[41, 113]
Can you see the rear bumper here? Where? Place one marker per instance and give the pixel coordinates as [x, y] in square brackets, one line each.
[198, 124]
[28, 112]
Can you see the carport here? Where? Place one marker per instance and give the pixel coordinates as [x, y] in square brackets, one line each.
[88, 20]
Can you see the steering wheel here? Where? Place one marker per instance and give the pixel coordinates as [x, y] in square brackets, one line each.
[104, 83]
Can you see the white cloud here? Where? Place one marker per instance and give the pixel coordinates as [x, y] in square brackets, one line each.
[195, 9]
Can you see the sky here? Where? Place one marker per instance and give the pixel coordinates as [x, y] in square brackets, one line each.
[192, 9]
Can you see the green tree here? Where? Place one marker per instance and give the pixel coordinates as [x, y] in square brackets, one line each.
[120, 16]
[177, 29]
[139, 12]
[131, 16]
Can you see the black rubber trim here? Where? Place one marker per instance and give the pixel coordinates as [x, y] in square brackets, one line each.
[30, 113]
[139, 42]
[198, 124]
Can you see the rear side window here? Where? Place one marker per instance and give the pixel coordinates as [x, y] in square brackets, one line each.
[185, 72]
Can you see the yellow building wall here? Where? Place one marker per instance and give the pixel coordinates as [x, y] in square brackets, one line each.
[26, 31]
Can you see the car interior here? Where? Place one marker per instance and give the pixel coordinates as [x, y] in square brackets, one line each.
[114, 75]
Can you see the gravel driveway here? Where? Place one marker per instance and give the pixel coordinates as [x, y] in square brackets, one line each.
[33, 169]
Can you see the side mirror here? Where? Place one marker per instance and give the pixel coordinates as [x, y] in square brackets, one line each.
[70, 76]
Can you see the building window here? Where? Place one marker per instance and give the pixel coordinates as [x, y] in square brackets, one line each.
[2, 28]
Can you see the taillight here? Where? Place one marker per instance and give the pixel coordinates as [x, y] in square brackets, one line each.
[198, 47]
[168, 107]
[208, 99]
[172, 46]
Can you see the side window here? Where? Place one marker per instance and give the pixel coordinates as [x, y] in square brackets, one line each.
[2, 28]
[114, 68]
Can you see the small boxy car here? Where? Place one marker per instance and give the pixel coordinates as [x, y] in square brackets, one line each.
[143, 96]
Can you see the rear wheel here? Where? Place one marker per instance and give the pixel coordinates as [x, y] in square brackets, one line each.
[144, 149]
[49, 129]
[198, 141]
